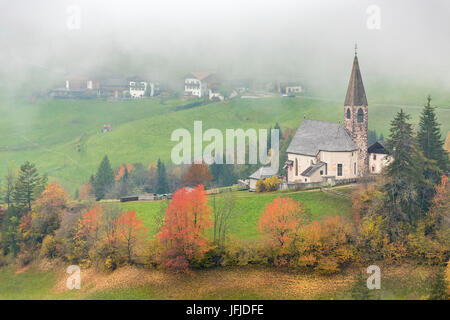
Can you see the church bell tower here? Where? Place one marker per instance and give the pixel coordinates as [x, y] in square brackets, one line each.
[356, 114]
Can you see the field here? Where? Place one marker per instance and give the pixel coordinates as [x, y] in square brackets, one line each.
[63, 136]
[49, 282]
[249, 208]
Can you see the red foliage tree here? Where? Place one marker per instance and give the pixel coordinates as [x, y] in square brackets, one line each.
[130, 230]
[280, 221]
[183, 232]
[197, 174]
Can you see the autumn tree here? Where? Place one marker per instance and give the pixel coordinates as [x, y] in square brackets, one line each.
[97, 236]
[183, 233]
[130, 230]
[47, 211]
[223, 208]
[198, 173]
[280, 221]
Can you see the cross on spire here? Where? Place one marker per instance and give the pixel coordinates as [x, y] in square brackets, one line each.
[356, 49]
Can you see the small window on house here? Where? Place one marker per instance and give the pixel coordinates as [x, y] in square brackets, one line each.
[296, 167]
[326, 168]
[306, 180]
[348, 113]
[374, 157]
[321, 172]
[339, 169]
[360, 115]
[354, 168]
[373, 169]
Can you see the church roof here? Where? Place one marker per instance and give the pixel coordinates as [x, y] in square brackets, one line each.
[312, 168]
[313, 136]
[356, 96]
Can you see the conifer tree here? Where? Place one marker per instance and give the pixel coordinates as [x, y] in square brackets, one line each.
[439, 286]
[359, 289]
[429, 139]
[25, 188]
[104, 178]
[162, 186]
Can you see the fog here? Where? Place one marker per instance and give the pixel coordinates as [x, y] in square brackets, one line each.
[162, 40]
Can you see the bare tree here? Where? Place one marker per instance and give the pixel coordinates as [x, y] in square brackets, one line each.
[224, 208]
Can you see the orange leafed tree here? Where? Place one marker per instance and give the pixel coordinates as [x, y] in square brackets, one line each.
[197, 174]
[86, 192]
[130, 230]
[52, 199]
[439, 213]
[47, 211]
[183, 232]
[89, 223]
[280, 221]
[121, 171]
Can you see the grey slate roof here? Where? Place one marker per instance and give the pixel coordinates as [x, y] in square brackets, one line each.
[356, 96]
[311, 169]
[263, 173]
[313, 136]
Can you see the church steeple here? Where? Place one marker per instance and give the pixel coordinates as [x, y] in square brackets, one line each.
[356, 116]
[356, 96]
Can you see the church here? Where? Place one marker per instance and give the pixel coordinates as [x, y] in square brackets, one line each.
[320, 149]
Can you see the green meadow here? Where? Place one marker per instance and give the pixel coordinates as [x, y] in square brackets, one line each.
[249, 207]
[64, 139]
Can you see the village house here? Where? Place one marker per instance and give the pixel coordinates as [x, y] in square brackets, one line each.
[322, 150]
[378, 157]
[138, 88]
[289, 87]
[199, 84]
[261, 173]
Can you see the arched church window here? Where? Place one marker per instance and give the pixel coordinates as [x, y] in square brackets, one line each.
[360, 115]
[348, 113]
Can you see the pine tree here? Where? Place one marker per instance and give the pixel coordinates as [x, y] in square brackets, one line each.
[8, 185]
[429, 139]
[439, 286]
[162, 186]
[359, 289]
[372, 137]
[401, 187]
[26, 186]
[104, 179]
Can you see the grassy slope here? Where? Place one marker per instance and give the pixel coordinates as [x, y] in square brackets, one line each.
[48, 132]
[250, 207]
[398, 282]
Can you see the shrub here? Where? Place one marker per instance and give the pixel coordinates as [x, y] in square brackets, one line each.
[49, 248]
[260, 186]
[326, 246]
[272, 183]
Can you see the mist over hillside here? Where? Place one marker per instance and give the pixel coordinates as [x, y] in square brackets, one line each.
[399, 42]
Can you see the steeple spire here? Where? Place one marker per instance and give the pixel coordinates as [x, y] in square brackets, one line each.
[356, 96]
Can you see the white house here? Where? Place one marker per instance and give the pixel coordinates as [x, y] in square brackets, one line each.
[138, 88]
[198, 84]
[261, 173]
[378, 157]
